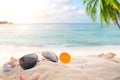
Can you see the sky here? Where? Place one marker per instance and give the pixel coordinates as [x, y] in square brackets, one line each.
[43, 11]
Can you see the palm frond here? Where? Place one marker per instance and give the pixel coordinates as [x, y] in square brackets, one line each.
[109, 10]
[91, 8]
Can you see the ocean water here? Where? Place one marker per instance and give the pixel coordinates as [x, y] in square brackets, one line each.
[59, 34]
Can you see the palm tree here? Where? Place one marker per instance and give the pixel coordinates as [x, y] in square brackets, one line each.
[109, 10]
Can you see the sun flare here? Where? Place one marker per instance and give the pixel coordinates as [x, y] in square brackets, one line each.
[22, 10]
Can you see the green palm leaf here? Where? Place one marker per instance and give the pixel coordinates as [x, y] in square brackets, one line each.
[109, 10]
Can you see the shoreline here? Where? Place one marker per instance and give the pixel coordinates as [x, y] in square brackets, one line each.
[17, 51]
[76, 49]
[73, 51]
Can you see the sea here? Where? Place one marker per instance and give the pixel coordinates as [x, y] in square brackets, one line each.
[59, 34]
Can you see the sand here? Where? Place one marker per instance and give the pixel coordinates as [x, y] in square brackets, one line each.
[84, 64]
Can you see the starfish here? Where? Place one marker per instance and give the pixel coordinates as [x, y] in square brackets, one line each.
[23, 78]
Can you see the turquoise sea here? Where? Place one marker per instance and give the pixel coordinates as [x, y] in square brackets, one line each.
[72, 34]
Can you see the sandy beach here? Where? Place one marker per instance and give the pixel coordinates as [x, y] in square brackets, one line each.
[84, 64]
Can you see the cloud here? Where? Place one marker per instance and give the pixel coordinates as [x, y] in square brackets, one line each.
[55, 10]
[63, 13]
[62, 1]
[68, 8]
[82, 12]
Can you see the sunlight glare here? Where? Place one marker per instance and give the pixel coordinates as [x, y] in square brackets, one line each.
[23, 10]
